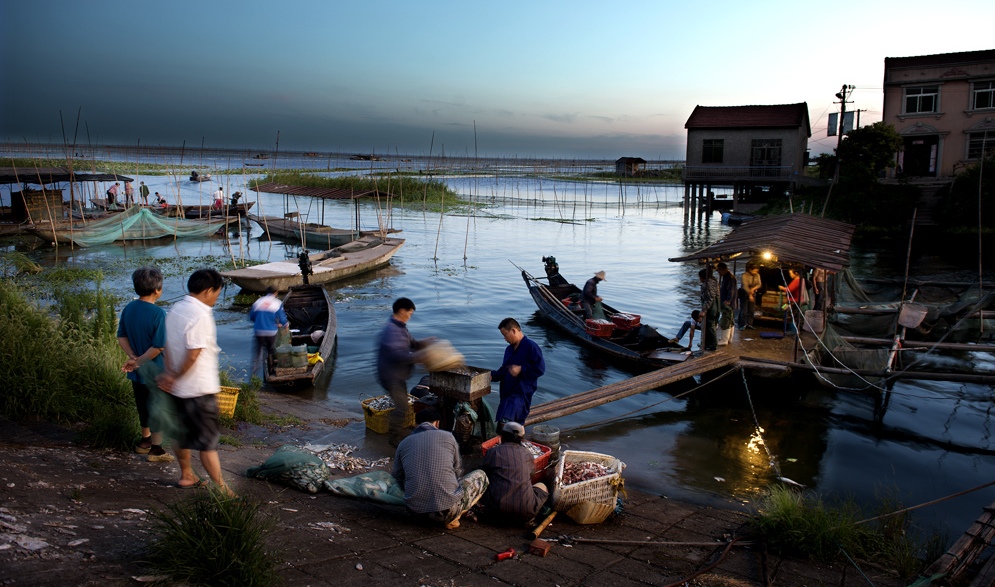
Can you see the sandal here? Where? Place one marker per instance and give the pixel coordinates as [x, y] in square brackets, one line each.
[199, 483]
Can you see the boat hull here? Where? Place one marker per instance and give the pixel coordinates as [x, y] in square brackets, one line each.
[311, 297]
[317, 236]
[360, 256]
[634, 349]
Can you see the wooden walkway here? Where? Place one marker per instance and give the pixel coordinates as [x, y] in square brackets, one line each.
[609, 393]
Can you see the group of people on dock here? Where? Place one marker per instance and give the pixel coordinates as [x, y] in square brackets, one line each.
[129, 195]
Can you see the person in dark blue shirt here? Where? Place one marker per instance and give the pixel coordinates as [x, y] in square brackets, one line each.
[519, 373]
[395, 362]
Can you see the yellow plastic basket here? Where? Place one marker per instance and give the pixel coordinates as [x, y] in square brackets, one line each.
[379, 420]
[226, 400]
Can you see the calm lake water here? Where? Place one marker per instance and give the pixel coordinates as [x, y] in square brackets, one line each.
[933, 440]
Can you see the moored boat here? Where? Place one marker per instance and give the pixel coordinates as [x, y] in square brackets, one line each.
[629, 341]
[359, 256]
[316, 236]
[312, 319]
[207, 211]
[197, 176]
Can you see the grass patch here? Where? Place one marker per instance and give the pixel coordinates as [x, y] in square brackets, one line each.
[230, 440]
[211, 539]
[410, 192]
[801, 524]
[66, 370]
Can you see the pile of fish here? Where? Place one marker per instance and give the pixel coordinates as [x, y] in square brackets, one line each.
[336, 456]
[583, 471]
[385, 402]
[534, 449]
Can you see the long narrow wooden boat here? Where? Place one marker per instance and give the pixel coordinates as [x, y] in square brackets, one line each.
[359, 256]
[134, 224]
[208, 211]
[641, 346]
[317, 236]
[309, 309]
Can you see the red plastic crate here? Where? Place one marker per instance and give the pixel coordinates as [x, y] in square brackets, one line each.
[599, 328]
[541, 461]
[626, 321]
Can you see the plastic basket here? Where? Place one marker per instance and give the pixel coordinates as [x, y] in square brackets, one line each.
[379, 420]
[602, 491]
[541, 461]
[227, 398]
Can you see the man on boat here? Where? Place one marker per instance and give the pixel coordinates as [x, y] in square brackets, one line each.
[129, 194]
[511, 496]
[691, 324]
[395, 362]
[427, 466]
[219, 198]
[750, 284]
[112, 194]
[143, 191]
[519, 373]
[160, 201]
[709, 308]
[589, 297]
[268, 317]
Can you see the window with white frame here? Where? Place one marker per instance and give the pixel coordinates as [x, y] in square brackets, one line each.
[978, 142]
[922, 99]
[983, 95]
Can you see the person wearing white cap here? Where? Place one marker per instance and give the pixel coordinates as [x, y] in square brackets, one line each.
[511, 497]
[590, 296]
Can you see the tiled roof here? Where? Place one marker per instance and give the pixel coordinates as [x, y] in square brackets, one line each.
[773, 116]
[941, 59]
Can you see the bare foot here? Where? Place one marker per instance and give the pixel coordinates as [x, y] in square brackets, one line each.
[453, 525]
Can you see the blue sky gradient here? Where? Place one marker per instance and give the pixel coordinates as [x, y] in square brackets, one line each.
[564, 79]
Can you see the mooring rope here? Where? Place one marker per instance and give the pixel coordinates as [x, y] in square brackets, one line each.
[756, 423]
[856, 566]
[932, 502]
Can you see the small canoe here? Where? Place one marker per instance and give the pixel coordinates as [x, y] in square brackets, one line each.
[640, 346]
[309, 309]
[359, 256]
[206, 211]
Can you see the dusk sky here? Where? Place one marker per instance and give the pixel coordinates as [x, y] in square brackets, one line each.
[550, 79]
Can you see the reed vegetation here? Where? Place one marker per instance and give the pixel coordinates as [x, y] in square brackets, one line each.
[212, 539]
[408, 192]
[66, 368]
[802, 524]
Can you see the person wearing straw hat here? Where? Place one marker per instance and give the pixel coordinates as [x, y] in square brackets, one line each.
[590, 299]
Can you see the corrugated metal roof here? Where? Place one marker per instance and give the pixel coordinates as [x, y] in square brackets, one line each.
[316, 192]
[770, 116]
[793, 239]
[48, 175]
[941, 59]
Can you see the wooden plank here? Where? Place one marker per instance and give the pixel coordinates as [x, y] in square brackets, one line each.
[922, 375]
[906, 344]
[967, 548]
[595, 397]
[986, 577]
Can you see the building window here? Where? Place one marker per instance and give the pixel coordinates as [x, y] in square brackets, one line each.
[976, 141]
[983, 95]
[765, 153]
[711, 150]
[922, 99]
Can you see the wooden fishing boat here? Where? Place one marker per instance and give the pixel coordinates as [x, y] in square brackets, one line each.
[197, 176]
[638, 345]
[364, 254]
[207, 211]
[134, 224]
[317, 236]
[309, 309]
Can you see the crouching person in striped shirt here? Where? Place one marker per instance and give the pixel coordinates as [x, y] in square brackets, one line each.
[512, 497]
[427, 466]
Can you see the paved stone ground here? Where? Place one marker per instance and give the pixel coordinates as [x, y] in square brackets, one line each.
[78, 517]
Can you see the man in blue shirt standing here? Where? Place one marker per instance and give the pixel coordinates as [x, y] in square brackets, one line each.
[141, 333]
[519, 373]
[395, 362]
[267, 317]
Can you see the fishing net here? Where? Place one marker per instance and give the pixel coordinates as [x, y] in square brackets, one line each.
[293, 466]
[378, 486]
[138, 223]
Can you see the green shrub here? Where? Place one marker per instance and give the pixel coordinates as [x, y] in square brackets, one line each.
[212, 539]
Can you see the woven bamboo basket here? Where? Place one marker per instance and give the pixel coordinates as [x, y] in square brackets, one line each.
[227, 398]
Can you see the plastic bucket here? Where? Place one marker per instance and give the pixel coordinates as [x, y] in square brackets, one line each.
[283, 355]
[298, 356]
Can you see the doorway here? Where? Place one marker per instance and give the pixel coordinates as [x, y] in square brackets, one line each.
[919, 158]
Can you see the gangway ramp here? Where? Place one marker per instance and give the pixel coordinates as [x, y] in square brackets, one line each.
[579, 402]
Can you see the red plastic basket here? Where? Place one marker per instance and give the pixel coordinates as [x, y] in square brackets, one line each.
[541, 461]
[599, 328]
[626, 321]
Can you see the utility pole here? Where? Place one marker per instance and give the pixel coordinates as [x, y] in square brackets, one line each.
[842, 94]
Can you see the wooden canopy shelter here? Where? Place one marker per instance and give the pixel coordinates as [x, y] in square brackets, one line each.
[319, 192]
[790, 240]
[50, 175]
